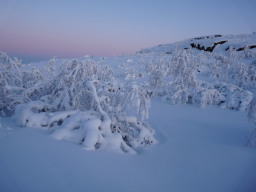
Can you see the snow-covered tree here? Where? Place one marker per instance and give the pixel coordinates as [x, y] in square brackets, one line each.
[242, 79]
[252, 75]
[183, 69]
[156, 82]
[11, 85]
[51, 68]
[84, 103]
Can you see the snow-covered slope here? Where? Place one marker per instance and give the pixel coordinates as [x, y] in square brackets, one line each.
[214, 43]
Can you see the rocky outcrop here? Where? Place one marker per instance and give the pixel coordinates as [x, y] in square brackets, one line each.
[209, 49]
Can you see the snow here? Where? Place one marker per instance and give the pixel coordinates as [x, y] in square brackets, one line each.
[198, 150]
[25, 116]
[85, 124]
[233, 41]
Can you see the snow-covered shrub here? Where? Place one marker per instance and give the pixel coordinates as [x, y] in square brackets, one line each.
[31, 77]
[18, 85]
[155, 70]
[179, 97]
[209, 97]
[241, 76]
[156, 82]
[232, 56]
[70, 90]
[122, 105]
[32, 114]
[83, 103]
[10, 73]
[149, 66]
[252, 75]
[91, 128]
[51, 68]
[11, 85]
[233, 68]
[235, 97]
[183, 69]
[220, 94]
[105, 74]
[221, 68]
[137, 100]
[248, 53]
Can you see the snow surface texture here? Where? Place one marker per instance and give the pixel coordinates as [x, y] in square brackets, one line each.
[198, 150]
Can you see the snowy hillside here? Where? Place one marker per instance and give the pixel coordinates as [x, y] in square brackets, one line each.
[176, 117]
[211, 43]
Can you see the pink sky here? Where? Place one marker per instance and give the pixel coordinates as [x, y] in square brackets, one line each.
[67, 28]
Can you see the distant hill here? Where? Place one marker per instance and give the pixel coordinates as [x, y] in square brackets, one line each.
[210, 43]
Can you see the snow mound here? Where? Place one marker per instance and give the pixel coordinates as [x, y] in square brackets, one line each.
[89, 129]
[31, 114]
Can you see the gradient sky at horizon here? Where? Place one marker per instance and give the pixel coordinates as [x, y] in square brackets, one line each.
[66, 28]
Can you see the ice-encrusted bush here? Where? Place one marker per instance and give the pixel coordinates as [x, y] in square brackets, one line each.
[209, 97]
[173, 76]
[84, 104]
[70, 91]
[232, 68]
[137, 100]
[184, 85]
[93, 129]
[176, 76]
[19, 85]
[51, 68]
[156, 82]
[183, 69]
[235, 97]
[32, 114]
[11, 85]
[88, 128]
[252, 74]
[31, 77]
[10, 73]
[220, 94]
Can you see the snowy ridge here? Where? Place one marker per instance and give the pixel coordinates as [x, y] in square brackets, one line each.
[223, 43]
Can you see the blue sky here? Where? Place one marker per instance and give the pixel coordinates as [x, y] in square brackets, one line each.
[66, 28]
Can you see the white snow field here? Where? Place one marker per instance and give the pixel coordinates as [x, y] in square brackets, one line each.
[173, 118]
[198, 150]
